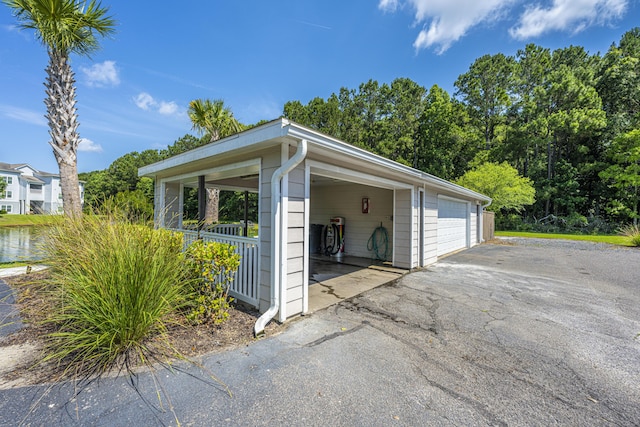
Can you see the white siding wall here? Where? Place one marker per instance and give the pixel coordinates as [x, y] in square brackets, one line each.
[16, 192]
[415, 229]
[345, 200]
[473, 225]
[270, 162]
[430, 227]
[295, 241]
[403, 236]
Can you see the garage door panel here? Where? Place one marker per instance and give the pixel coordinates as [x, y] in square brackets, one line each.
[452, 225]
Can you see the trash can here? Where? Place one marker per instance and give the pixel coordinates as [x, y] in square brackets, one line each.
[315, 239]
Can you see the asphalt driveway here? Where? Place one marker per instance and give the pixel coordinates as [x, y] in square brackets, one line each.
[535, 333]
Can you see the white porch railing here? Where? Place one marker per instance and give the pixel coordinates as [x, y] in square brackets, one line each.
[244, 286]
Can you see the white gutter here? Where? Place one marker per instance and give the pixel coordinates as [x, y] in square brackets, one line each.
[276, 224]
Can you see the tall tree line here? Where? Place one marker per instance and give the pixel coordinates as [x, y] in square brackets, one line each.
[566, 119]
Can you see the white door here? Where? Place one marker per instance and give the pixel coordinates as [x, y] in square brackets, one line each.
[453, 225]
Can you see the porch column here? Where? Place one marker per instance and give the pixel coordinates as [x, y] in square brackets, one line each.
[246, 213]
[172, 211]
[202, 202]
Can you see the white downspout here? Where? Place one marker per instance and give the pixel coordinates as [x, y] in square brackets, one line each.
[276, 220]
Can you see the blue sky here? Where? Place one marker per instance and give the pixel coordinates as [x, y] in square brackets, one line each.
[256, 55]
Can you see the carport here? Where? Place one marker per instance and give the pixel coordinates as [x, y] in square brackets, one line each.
[304, 179]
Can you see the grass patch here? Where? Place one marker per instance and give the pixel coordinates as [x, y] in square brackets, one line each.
[27, 220]
[12, 264]
[598, 238]
[632, 234]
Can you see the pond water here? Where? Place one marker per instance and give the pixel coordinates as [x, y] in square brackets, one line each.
[19, 243]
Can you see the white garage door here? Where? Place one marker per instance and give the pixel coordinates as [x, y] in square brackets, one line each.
[452, 225]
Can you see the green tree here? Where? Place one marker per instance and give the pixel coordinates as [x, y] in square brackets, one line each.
[120, 176]
[216, 121]
[624, 175]
[619, 83]
[212, 118]
[486, 90]
[182, 144]
[64, 27]
[3, 186]
[402, 106]
[508, 190]
[445, 142]
[98, 186]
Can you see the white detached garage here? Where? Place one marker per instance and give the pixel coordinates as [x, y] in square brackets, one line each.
[304, 178]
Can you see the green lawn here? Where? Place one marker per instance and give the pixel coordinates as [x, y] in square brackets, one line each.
[599, 238]
[22, 220]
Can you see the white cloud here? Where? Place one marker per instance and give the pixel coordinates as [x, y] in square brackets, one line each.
[444, 22]
[89, 146]
[566, 15]
[167, 108]
[388, 5]
[102, 74]
[147, 102]
[23, 115]
[144, 101]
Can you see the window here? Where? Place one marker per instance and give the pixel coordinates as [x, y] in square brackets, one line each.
[6, 194]
[36, 186]
[6, 208]
[7, 179]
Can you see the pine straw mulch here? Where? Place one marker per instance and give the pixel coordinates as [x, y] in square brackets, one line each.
[189, 341]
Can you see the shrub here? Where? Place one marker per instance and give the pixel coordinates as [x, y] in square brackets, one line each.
[632, 232]
[211, 265]
[115, 285]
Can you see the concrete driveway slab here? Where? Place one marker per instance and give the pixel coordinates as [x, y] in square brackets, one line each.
[520, 334]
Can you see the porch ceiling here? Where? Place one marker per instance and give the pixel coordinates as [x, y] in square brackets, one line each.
[242, 176]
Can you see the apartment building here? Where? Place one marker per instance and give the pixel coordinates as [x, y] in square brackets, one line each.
[29, 190]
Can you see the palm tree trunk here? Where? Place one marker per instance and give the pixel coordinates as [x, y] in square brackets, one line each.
[212, 208]
[63, 126]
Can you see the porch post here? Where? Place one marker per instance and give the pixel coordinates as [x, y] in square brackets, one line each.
[202, 202]
[246, 213]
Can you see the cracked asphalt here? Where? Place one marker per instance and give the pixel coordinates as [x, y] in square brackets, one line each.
[534, 333]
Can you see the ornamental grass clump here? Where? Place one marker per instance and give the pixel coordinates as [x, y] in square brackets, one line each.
[632, 232]
[115, 286]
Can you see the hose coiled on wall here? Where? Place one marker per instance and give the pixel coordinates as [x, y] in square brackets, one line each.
[378, 241]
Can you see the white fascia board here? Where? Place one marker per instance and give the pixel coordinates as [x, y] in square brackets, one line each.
[442, 184]
[342, 148]
[248, 138]
[335, 145]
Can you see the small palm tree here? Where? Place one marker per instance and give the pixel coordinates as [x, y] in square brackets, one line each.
[64, 27]
[214, 119]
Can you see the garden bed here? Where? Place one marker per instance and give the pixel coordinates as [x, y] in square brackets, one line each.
[23, 349]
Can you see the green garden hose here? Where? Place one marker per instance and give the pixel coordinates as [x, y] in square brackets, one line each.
[379, 240]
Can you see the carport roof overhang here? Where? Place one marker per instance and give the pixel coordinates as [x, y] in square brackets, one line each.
[282, 130]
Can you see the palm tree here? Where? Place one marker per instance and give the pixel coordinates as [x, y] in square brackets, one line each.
[212, 118]
[64, 27]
